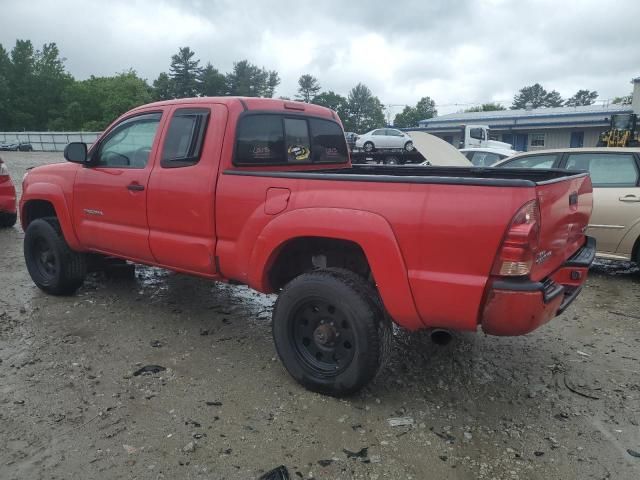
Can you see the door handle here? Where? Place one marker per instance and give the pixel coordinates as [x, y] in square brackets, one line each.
[629, 198]
[136, 187]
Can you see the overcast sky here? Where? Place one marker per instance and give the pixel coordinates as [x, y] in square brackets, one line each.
[457, 52]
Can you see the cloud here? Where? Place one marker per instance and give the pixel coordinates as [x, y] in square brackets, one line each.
[456, 52]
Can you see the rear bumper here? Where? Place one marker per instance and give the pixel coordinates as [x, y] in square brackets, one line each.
[516, 307]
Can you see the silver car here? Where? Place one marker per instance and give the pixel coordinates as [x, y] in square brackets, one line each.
[382, 138]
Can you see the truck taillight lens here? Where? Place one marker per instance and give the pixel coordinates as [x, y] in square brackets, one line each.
[520, 243]
[4, 171]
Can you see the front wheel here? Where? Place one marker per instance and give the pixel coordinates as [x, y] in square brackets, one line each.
[52, 265]
[368, 147]
[409, 146]
[330, 331]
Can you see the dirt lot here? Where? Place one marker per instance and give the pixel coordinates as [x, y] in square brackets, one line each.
[561, 403]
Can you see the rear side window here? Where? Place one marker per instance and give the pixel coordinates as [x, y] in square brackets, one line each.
[606, 169]
[328, 142]
[484, 159]
[183, 143]
[532, 161]
[297, 139]
[272, 139]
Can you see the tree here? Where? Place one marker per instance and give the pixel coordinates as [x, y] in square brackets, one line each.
[332, 100]
[308, 88]
[486, 107]
[626, 100]
[50, 82]
[536, 96]
[273, 81]
[410, 116]
[249, 80]
[582, 97]
[5, 72]
[364, 110]
[185, 72]
[22, 85]
[212, 82]
[163, 87]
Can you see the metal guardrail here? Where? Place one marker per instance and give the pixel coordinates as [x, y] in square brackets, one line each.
[49, 141]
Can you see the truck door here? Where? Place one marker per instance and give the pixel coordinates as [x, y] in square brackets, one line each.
[181, 201]
[474, 136]
[110, 195]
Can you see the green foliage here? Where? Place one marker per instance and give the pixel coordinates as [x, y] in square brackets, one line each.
[486, 107]
[5, 72]
[582, 97]
[212, 82]
[334, 101]
[94, 103]
[364, 110]
[537, 96]
[308, 88]
[410, 116]
[163, 87]
[37, 93]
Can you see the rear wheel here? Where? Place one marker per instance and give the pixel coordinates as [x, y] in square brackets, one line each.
[368, 147]
[330, 331]
[8, 220]
[52, 265]
[409, 146]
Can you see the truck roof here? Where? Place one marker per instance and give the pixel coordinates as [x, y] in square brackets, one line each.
[252, 103]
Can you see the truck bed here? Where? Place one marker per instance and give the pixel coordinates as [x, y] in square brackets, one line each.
[506, 177]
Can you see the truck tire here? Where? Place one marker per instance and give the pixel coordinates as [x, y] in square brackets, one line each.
[8, 220]
[52, 265]
[330, 331]
[368, 147]
[409, 146]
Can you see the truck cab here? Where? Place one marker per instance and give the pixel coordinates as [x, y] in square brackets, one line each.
[477, 136]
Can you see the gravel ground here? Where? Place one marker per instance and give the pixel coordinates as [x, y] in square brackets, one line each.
[560, 403]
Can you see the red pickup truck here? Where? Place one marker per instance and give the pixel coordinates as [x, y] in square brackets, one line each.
[262, 192]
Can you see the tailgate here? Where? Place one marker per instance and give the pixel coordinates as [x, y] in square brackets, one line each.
[565, 208]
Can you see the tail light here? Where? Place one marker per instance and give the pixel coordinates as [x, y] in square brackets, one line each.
[520, 243]
[4, 172]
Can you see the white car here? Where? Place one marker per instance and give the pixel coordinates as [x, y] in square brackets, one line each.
[382, 138]
[485, 157]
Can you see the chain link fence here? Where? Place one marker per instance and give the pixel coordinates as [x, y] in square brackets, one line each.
[49, 141]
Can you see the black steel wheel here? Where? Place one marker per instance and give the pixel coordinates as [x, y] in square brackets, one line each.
[322, 336]
[52, 265]
[330, 331]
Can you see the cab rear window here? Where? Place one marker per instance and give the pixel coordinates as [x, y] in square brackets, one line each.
[273, 139]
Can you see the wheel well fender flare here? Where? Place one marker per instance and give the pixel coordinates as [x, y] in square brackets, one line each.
[370, 231]
[54, 195]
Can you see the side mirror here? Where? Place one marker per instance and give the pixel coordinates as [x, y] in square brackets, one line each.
[76, 152]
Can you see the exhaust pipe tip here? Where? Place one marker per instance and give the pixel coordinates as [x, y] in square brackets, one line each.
[441, 337]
